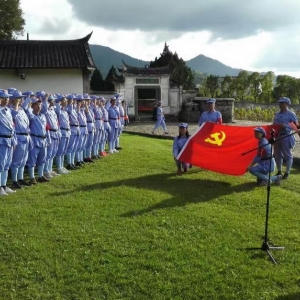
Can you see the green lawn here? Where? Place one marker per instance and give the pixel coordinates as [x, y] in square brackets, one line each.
[127, 227]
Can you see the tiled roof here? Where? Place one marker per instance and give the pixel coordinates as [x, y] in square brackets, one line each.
[46, 54]
[145, 71]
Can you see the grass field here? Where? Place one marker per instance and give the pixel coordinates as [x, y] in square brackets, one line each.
[127, 227]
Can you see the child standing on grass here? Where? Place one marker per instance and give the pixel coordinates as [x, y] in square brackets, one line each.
[260, 166]
[179, 142]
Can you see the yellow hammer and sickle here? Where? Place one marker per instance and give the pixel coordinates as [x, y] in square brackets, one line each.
[215, 138]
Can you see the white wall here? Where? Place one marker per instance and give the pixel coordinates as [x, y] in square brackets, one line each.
[51, 80]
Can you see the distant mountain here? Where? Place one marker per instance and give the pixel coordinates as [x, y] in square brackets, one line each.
[105, 57]
[204, 64]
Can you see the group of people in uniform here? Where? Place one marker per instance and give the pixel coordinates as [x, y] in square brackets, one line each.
[265, 160]
[38, 128]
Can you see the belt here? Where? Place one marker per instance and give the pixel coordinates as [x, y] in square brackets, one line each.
[73, 125]
[67, 129]
[91, 131]
[97, 118]
[82, 125]
[6, 136]
[113, 118]
[54, 130]
[89, 121]
[22, 133]
[105, 121]
[39, 136]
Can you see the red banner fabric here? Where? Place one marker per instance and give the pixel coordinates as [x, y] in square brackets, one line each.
[223, 148]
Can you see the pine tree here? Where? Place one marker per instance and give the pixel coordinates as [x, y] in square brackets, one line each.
[96, 81]
[181, 73]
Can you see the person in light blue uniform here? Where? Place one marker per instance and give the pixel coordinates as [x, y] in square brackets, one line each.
[24, 143]
[64, 126]
[48, 109]
[81, 114]
[7, 141]
[90, 120]
[114, 116]
[120, 121]
[260, 166]
[160, 119]
[178, 144]
[286, 140]
[99, 126]
[106, 126]
[211, 114]
[75, 132]
[40, 138]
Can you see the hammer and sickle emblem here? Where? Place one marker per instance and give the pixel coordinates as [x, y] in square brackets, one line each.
[216, 140]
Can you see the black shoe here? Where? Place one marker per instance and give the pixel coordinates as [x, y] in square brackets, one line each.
[23, 182]
[16, 185]
[78, 164]
[83, 162]
[285, 176]
[278, 173]
[69, 167]
[119, 148]
[75, 167]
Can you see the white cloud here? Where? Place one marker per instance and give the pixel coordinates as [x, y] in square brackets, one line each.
[262, 50]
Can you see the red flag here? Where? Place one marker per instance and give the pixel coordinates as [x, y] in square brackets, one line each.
[221, 148]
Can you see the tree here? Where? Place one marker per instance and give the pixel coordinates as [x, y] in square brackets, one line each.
[226, 87]
[254, 82]
[242, 85]
[212, 83]
[11, 19]
[96, 81]
[268, 83]
[181, 74]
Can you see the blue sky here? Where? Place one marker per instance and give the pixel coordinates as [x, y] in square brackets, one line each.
[253, 35]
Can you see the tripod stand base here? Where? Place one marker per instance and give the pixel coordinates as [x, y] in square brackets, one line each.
[266, 247]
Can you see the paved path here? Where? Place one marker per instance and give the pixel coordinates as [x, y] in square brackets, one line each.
[145, 128]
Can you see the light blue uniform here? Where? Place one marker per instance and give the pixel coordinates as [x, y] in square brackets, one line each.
[40, 139]
[7, 141]
[107, 129]
[54, 132]
[83, 134]
[99, 128]
[160, 120]
[210, 116]
[24, 143]
[64, 125]
[90, 119]
[114, 116]
[75, 132]
[178, 144]
[263, 159]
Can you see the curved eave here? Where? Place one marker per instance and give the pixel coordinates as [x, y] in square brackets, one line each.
[75, 41]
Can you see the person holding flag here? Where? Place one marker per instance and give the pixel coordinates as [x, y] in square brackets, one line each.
[211, 114]
[288, 120]
[260, 166]
[178, 144]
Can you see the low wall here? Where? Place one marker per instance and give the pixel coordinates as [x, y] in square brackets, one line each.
[192, 113]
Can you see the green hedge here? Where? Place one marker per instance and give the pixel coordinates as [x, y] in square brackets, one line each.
[257, 114]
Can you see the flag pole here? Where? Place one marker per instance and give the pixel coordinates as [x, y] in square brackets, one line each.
[266, 245]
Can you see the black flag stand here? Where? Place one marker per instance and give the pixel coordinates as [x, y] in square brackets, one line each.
[266, 244]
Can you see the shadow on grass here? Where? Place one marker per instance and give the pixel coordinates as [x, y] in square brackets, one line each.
[184, 190]
[295, 296]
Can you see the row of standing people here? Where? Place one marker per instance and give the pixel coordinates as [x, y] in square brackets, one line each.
[37, 128]
[265, 160]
